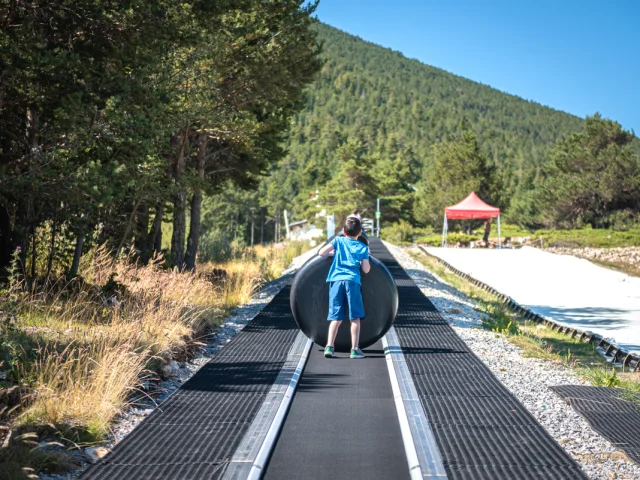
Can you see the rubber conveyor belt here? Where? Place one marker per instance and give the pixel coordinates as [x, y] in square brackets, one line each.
[194, 433]
[482, 430]
[342, 423]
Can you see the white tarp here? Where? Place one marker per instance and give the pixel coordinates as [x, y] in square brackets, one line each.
[572, 291]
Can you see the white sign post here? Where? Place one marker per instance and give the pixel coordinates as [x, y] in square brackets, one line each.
[331, 226]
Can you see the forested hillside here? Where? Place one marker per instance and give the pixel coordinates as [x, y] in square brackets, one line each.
[395, 109]
[401, 106]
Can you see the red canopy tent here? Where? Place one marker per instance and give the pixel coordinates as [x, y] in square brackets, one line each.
[471, 207]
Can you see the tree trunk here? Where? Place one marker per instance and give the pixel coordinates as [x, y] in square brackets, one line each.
[24, 216]
[196, 206]
[22, 228]
[6, 244]
[179, 207]
[236, 225]
[52, 246]
[34, 255]
[142, 241]
[156, 229]
[127, 229]
[252, 228]
[179, 227]
[262, 226]
[75, 265]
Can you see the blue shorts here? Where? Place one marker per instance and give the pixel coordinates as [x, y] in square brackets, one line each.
[345, 294]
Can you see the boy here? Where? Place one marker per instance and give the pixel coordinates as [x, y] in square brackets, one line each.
[345, 293]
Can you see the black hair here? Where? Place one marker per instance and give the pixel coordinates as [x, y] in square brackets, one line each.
[355, 211]
[352, 226]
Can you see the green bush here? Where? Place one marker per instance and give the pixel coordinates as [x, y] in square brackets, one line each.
[589, 237]
[498, 318]
[398, 233]
[602, 377]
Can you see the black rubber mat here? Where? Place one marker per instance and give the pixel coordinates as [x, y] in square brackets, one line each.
[609, 413]
[195, 432]
[342, 424]
[482, 430]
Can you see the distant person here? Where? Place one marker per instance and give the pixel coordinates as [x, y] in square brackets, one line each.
[345, 292]
[356, 214]
[487, 230]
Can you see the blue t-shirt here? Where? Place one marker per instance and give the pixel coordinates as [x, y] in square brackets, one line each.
[346, 260]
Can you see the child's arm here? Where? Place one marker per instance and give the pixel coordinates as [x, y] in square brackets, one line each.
[366, 266]
[326, 250]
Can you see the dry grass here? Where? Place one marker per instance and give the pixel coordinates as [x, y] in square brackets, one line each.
[84, 388]
[82, 349]
[243, 279]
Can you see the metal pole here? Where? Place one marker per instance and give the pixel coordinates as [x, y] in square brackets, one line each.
[499, 241]
[378, 216]
[444, 229]
[286, 222]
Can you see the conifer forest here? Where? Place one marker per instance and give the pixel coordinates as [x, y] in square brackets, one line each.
[182, 128]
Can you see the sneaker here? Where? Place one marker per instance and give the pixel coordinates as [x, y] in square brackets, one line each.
[328, 352]
[357, 353]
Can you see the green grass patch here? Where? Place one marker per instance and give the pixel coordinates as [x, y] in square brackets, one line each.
[589, 237]
[577, 238]
[498, 318]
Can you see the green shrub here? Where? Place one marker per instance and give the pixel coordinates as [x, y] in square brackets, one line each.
[398, 233]
[498, 318]
[589, 237]
[602, 377]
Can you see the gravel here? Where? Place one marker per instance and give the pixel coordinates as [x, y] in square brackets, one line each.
[596, 455]
[622, 255]
[179, 372]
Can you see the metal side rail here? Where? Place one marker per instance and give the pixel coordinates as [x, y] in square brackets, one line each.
[481, 429]
[420, 446]
[195, 432]
[253, 453]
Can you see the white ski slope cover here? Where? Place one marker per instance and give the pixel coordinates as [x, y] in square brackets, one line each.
[572, 291]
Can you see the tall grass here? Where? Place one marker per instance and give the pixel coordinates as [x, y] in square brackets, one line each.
[82, 349]
[82, 388]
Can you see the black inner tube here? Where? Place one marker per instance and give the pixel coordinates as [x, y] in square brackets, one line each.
[309, 301]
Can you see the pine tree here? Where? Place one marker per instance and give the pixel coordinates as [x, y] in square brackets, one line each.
[453, 169]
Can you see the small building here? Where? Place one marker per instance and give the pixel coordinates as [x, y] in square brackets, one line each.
[302, 230]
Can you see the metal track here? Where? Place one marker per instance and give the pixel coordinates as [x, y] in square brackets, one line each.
[482, 430]
[194, 434]
[420, 446]
[252, 455]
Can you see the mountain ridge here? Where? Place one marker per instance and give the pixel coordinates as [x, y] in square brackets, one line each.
[462, 77]
[390, 110]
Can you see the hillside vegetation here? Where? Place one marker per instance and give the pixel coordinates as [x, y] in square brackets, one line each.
[400, 107]
[377, 124]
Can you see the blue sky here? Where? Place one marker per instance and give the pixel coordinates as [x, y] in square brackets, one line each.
[576, 56]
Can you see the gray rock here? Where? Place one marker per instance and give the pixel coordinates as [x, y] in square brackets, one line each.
[96, 453]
